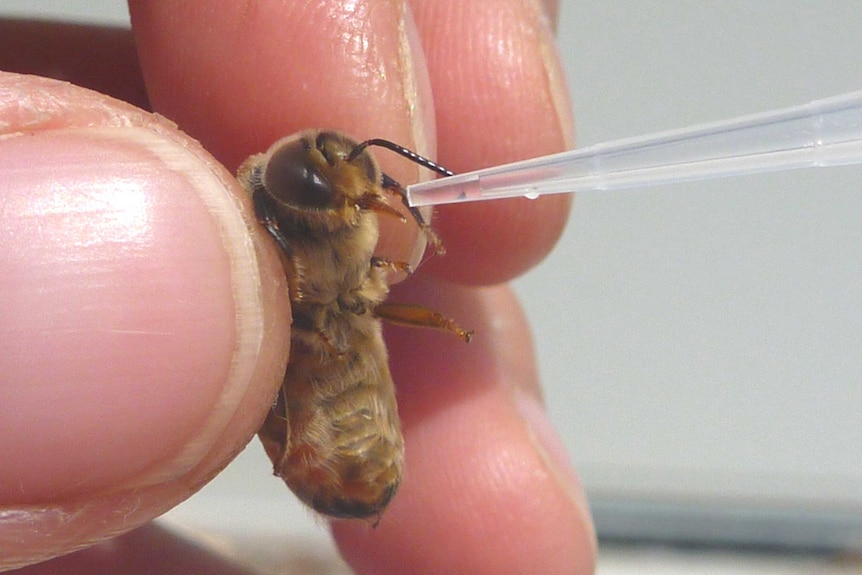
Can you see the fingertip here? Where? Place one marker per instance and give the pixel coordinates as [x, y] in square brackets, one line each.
[477, 498]
[354, 67]
[501, 97]
[489, 243]
[148, 549]
[99, 57]
[487, 487]
[505, 90]
[145, 328]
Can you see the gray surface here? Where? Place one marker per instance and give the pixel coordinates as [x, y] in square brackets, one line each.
[699, 342]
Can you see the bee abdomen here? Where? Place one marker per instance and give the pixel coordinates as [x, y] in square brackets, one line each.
[345, 455]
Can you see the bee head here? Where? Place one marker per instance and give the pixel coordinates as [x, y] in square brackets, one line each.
[314, 172]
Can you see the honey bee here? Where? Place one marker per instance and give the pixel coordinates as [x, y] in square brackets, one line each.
[334, 434]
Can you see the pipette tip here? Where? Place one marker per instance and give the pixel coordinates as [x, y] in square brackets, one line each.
[825, 132]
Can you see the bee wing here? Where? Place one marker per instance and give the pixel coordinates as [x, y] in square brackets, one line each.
[274, 434]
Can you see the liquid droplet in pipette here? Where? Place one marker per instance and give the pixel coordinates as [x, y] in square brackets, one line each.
[531, 194]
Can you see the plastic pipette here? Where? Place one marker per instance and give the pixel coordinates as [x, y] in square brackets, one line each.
[825, 132]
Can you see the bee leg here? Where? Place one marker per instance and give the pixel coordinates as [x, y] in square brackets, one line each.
[331, 349]
[394, 187]
[316, 336]
[265, 214]
[389, 265]
[418, 316]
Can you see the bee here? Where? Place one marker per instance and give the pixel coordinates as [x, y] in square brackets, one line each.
[334, 434]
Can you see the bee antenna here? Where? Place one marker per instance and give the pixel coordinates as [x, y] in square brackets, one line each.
[407, 153]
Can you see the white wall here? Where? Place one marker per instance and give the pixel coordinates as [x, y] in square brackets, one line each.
[701, 342]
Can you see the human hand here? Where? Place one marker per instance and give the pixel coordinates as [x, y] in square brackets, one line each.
[487, 486]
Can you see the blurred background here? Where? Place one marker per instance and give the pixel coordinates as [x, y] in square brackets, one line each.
[700, 342]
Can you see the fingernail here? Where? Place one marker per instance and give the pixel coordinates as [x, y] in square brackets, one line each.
[552, 13]
[416, 85]
[546, 439]
[555, 74]
[551, 449]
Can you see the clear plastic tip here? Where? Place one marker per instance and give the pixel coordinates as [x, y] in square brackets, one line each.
[825, 132]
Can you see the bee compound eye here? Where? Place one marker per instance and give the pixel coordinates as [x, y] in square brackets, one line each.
[291, 177]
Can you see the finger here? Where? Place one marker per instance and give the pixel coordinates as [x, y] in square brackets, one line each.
[96, 57]
[149, 549]
[144, 328]
[500, 96]
[487, 486]
[242, 76]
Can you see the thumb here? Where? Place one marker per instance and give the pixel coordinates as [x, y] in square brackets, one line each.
[144, 323]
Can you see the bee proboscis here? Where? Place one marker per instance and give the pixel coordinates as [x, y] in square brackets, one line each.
[334, 435]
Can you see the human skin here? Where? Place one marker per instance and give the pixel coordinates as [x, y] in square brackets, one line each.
[488, 488]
